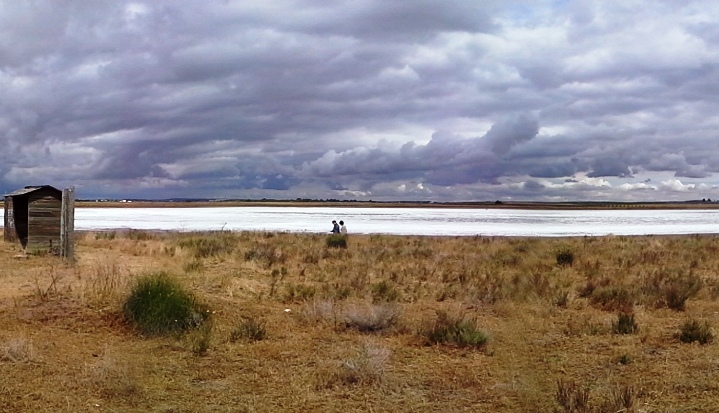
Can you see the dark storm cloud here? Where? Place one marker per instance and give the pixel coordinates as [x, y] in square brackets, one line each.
[445, 160]
[375, 99]
[609, 167]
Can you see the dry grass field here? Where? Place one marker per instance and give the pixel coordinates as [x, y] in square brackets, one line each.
[395, 324]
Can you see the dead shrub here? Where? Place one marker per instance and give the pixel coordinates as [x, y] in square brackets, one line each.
[265, 254]
[612, 297]
[249, 329]
[621, 399]
[18, 350]
[367, 367]
[571, 397]
[585, 326]
[372, 317]
[319, 311]
[113, 379]
[671, 289]
[106, 283]
[298, 293]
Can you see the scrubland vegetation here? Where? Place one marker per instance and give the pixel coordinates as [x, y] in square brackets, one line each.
[264, 322]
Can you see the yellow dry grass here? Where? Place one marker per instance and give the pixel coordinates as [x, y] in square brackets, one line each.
[65, 347]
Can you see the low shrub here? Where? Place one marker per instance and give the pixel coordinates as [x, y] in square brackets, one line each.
[249, 329]
[692, 330]
[105, 283]
[140, 235]
[458, 331]
[571, 397]
[17, 350]
[384, 291]
[372, 318]
[679, 290]
[574, 398]
[265, 254]
[336, 241]
[200, 338]
[564, 256]
[158, 305]
[318, 311]
[367, 367]
[195, 265]
[298, 293]
[561, 299]
[612, 297]
[108, 235]
[113, 378]
[624, 359]
[671, 289]
[622, 398]
[585, 326]
[209, 246]
[625, 324]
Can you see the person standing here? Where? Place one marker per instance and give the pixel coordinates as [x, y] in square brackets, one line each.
[343, 228]
[335, 227]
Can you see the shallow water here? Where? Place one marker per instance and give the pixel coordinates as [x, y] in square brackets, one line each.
[406, 221]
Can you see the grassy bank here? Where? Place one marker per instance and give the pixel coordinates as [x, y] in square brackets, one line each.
[298, 322]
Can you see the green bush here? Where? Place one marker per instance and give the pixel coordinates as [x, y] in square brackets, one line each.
[336, 241]
[693, 330]
[159, 305]
[458, 331]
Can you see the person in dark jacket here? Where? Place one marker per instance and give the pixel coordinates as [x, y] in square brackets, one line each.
[335, 227]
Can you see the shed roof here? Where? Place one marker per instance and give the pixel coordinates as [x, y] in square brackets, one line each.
[32, 188]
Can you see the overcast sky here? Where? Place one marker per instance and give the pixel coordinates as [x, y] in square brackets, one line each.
[366, 99]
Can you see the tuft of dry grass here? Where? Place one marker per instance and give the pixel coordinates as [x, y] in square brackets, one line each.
[18, 350]
[367, 367]
[113, 378]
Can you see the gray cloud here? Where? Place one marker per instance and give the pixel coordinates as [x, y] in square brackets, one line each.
[373, 100]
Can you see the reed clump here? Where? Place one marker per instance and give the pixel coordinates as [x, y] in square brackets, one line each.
[158, 304]
[455, 330]
[696, 331]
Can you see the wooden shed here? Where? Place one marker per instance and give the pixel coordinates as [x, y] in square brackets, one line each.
[33, 218]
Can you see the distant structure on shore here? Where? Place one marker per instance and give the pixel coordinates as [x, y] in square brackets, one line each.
[41, 219]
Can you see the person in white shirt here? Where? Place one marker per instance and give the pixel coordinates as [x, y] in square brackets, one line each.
[343, 228]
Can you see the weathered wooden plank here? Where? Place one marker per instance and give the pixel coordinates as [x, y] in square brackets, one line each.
[67, 224]
[9, 234]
